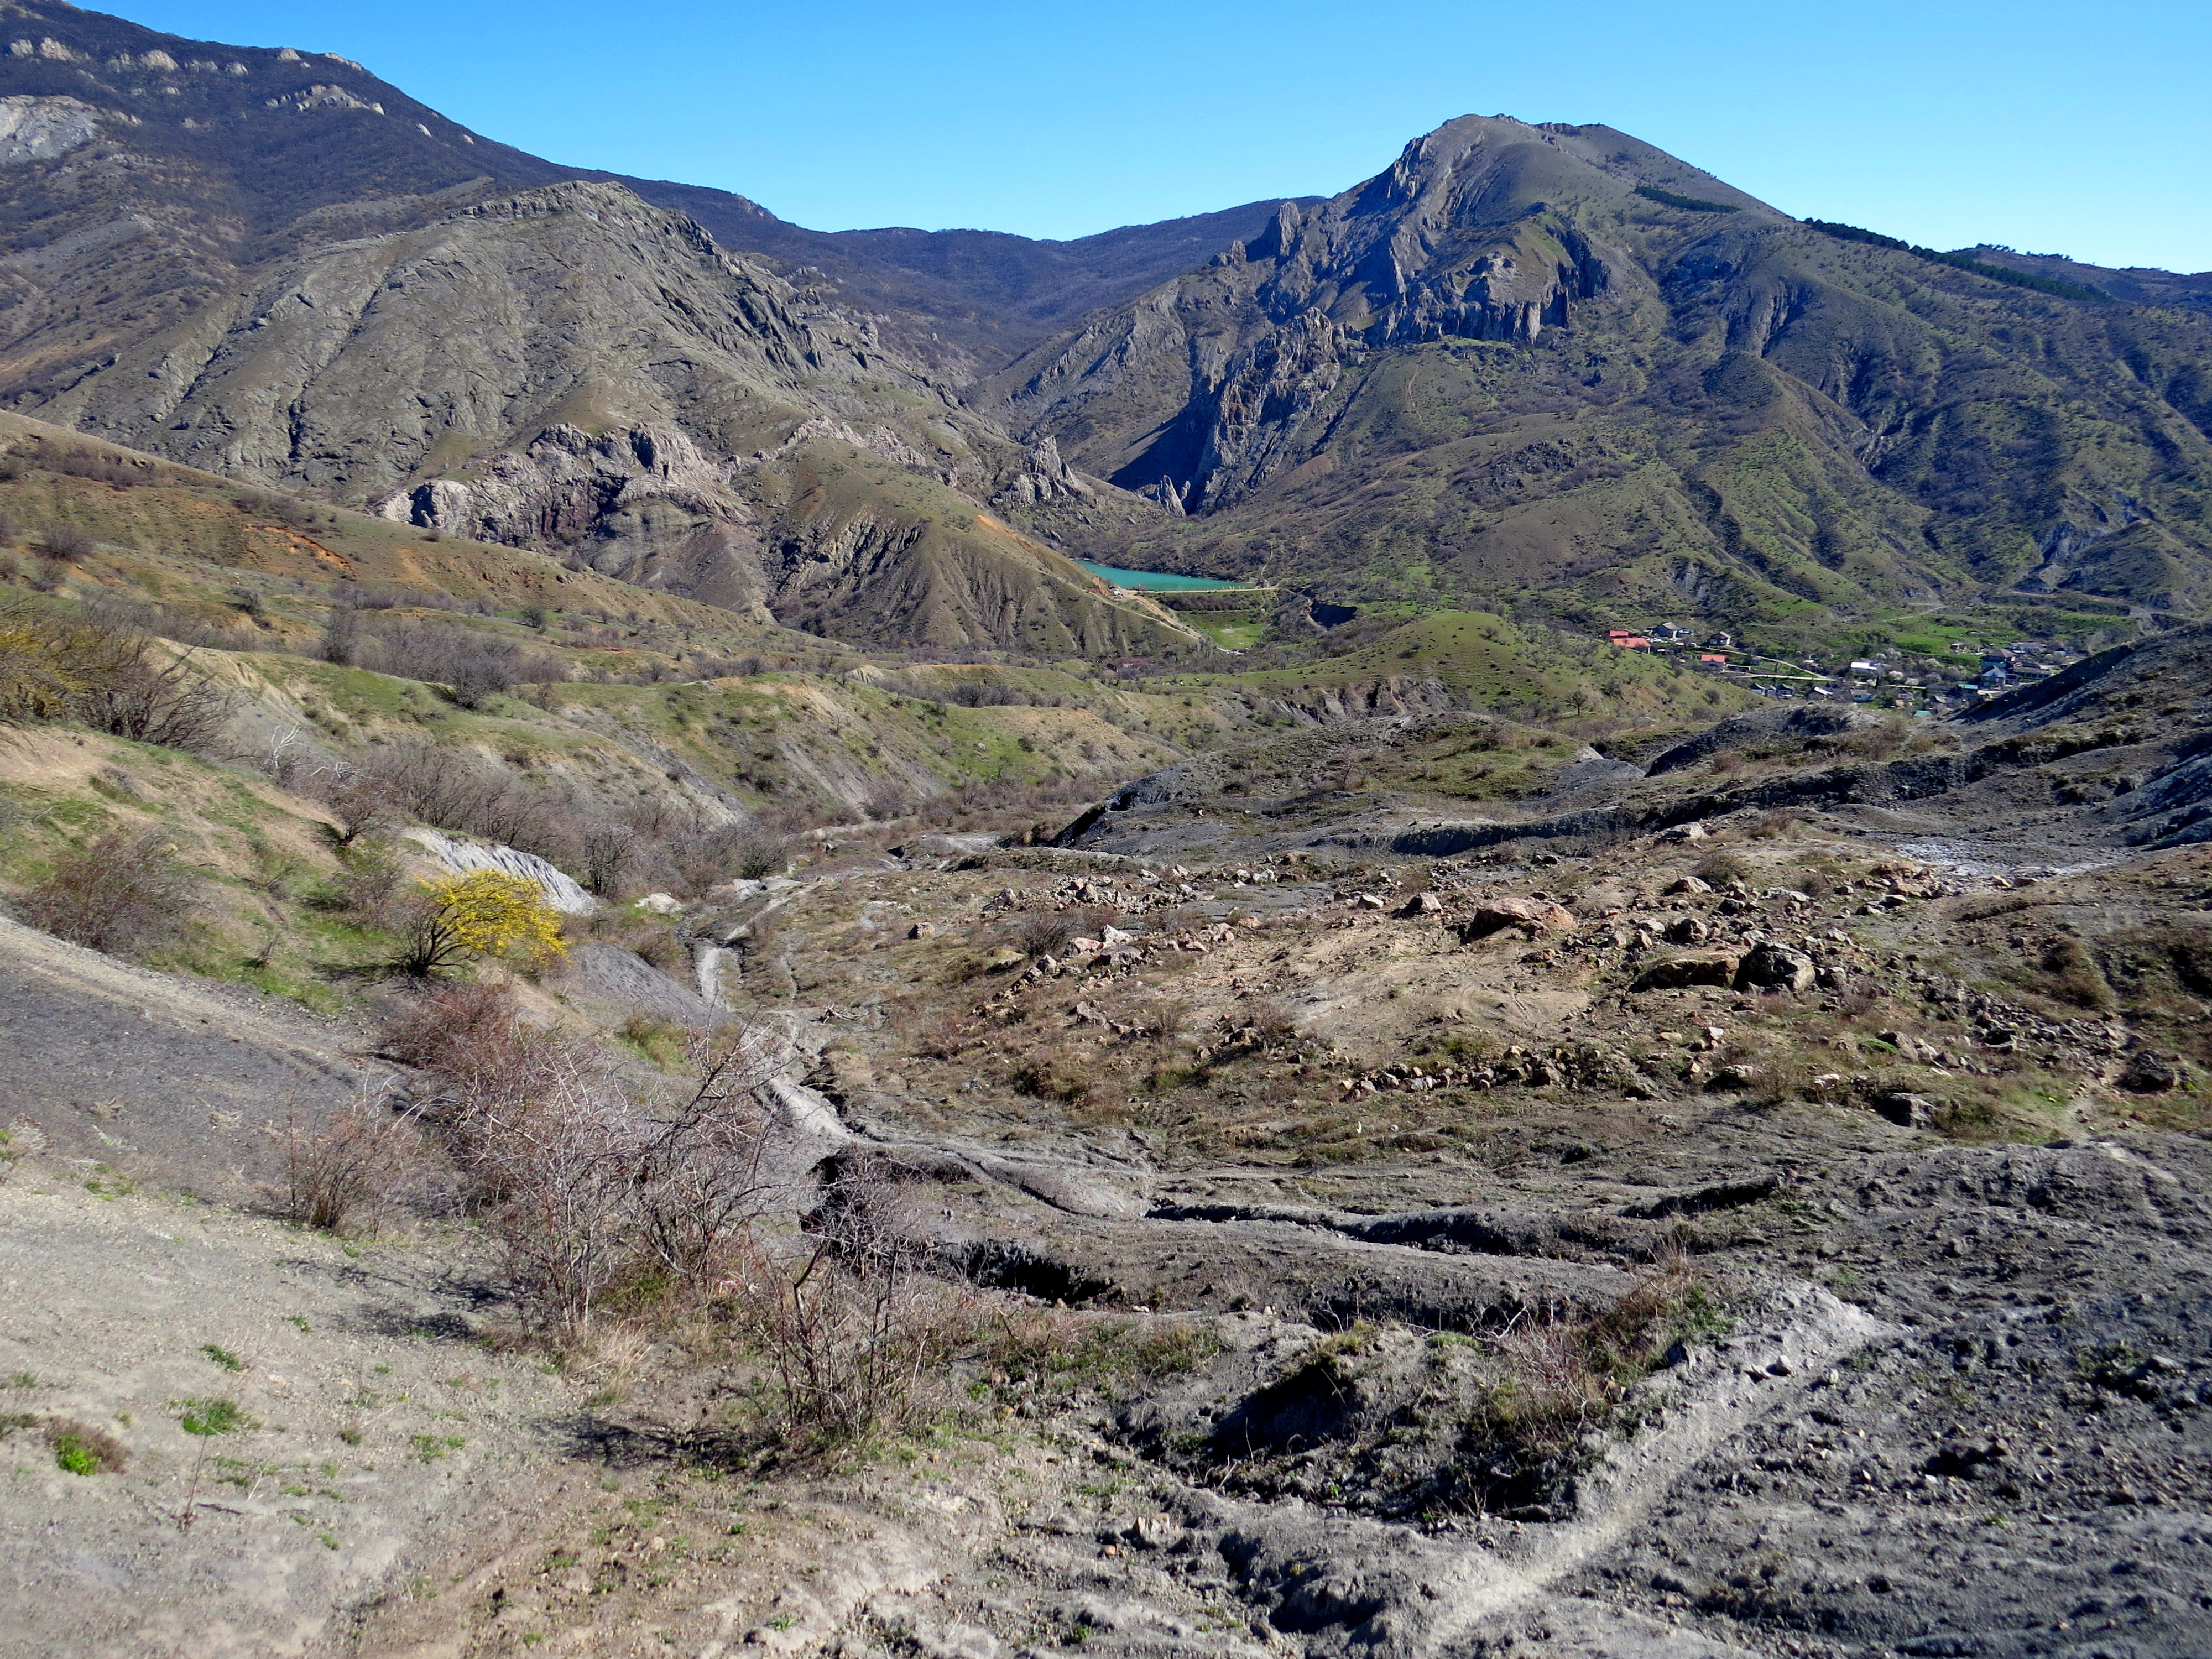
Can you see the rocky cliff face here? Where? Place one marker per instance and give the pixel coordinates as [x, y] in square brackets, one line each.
[1553, 359]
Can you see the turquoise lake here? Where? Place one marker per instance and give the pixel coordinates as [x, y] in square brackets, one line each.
[1156, 580]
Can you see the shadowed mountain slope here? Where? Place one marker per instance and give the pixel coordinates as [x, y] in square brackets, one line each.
[281, 269]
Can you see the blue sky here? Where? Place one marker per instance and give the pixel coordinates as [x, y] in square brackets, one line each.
[2052, 128]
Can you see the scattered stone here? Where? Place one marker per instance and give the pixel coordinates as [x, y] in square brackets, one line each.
[1531, 916]
[1688, 884]
[1775, 968]
[2149, 1072]
[1680, 972]
[922, 930]
[1907, 1111]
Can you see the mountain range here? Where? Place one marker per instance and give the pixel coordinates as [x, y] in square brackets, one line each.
[1536, 367]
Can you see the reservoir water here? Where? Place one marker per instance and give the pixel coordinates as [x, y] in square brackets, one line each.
[1155, 582]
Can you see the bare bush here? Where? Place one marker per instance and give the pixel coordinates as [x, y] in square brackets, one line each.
[1042, 933]
[448, 789]
[149, 699]
[1271, 1025]
[336, 1165]
[609, 851]
[98, 672]
[885, 799]
[856, 1332]
[124, 894]
[758, 854]
[583, 1185]
[367, 884]
[475, 666]
[69, 544]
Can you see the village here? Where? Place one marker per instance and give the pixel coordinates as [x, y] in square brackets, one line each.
[1968, 672]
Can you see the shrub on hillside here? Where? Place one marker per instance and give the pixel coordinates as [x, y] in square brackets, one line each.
[335, 1166]
[485, 912]
[69, 544]
[92, 671]
[125, 894]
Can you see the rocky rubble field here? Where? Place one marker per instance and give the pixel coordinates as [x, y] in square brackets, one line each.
[1779, 1232]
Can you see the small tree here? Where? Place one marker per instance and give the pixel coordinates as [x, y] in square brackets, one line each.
[484, 913]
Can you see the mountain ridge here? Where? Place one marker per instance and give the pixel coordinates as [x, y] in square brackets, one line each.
[1614, 402]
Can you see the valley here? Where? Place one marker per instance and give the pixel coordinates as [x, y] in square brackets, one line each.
[1468, 919]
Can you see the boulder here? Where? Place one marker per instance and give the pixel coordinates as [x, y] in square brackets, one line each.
[1687, 930]
[1775, 968]
[1421, 904]
[1531, 916]
[1696, 967]
[1689, 885]
[1912, 1048]
[1907, 1111]
[2150, 1074]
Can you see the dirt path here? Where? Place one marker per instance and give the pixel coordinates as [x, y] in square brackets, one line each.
[156, 1075]
[369, 1420]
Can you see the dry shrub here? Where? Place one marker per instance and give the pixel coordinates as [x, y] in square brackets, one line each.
[454, 1029]
[885, 799]
[758, 854]
[475, 666]
[69, 544]
[1042, 933]
[607, 850]
[449, 790]
[1721, 868]
[360, 1153]
[367, 884]
[1565, 1373]
[125, 894]
[856, 1333]
[587, 1188]
[1271, 1024]
[97, 673]
[1062, 1074]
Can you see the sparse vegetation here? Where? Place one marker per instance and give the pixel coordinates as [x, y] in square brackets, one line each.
[336, 1166]
[206, 1418]
[125, 894]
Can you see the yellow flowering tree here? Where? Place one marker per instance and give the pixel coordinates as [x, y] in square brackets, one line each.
[484, 913]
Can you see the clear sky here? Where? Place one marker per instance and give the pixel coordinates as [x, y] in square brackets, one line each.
[2067, 128]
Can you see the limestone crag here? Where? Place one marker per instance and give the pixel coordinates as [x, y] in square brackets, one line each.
[1269, 329]
[1545, 358]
